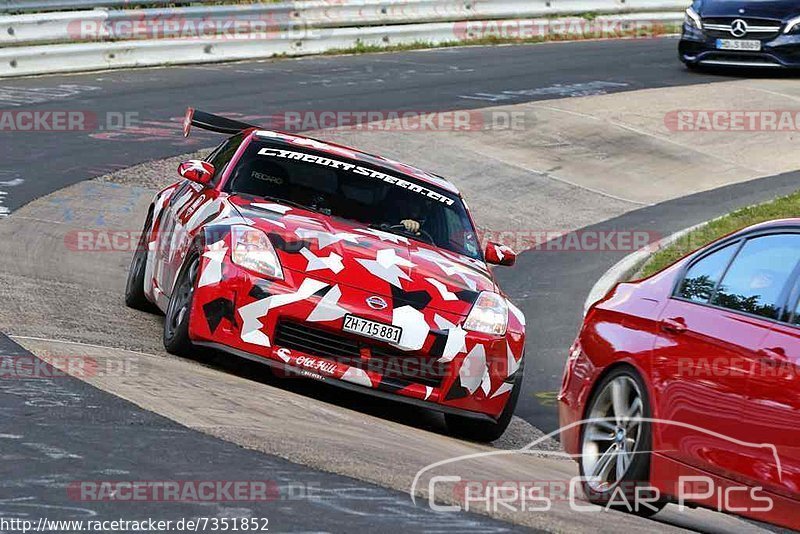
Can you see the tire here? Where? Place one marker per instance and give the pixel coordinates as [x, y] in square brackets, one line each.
[693, 67]
[486, 431]
[616, 455]
[134, 287]
[176, 322]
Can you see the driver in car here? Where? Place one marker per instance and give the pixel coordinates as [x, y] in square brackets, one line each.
[412, 226]
[413, 220]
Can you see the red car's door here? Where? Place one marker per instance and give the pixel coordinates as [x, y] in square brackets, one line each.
[187, 201]
[773, 405]
[175, 237]
[712, 328]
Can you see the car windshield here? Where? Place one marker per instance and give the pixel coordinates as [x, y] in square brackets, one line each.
[348, 189]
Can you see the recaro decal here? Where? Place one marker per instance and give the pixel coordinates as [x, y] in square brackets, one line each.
[356, 169]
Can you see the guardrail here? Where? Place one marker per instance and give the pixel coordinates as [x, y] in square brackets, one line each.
[103, 38]
[38, 6]
[107, 25]
[34, 6]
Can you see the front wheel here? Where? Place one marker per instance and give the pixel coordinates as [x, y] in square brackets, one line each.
[176, 323]
[486, 431]
[134, 287]
[693, 67]
[616, 442]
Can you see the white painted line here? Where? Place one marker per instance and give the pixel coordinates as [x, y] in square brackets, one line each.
[595, 88]
[48, 340]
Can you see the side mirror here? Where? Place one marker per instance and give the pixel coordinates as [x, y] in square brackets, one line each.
[196, 171]
[500, 255]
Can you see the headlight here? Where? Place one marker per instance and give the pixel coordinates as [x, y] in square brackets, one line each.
[489, 314]
[253, 250]
[693, 19]
[792, 26]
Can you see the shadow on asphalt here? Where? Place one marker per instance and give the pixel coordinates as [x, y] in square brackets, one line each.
[762, 73]
[382, 408]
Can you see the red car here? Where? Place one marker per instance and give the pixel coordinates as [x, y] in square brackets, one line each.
[336, 265]
[686, 383]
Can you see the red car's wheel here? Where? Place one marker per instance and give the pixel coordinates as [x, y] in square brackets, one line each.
[616, 444]
[176, 323]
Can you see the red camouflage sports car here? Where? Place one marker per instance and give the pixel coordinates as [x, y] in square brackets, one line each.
[333, 264]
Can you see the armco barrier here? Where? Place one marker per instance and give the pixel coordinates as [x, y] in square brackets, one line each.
[94, 56]
[100, 39]
[557, 6]
[36, 6]
[160, 23]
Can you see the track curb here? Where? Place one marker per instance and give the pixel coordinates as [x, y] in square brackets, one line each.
[630, 265]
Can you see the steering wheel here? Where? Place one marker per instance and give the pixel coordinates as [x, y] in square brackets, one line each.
[421, 233]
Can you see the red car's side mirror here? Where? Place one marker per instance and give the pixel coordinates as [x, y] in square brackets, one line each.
[500, 255]
[196, 171]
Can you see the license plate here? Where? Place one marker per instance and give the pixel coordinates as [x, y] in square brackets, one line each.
[738, 44]
[372, 329]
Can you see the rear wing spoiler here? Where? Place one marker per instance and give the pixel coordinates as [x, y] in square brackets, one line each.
[212, 123]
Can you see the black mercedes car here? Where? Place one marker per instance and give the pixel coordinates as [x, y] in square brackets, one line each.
[741, 33]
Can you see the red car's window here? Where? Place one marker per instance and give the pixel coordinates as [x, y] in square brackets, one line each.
[702, 278]
[223, 154]
[757, 278]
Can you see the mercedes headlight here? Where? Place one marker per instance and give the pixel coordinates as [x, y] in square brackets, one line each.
[489, 314]
[253, 250]
[793, 26]
[693, 19]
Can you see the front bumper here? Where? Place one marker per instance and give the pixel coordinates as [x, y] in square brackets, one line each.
[475, 382]
[580, 376]
[697, 48]
[293, 368]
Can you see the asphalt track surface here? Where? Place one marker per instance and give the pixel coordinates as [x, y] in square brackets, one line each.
[434, 80]
[58, 432]
[550, 287]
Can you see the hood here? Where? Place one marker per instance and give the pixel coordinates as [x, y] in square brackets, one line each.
[770, 9]
[344, 252]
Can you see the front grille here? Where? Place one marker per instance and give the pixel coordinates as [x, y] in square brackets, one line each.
[738, 59]
[396, 366]
[761, 29]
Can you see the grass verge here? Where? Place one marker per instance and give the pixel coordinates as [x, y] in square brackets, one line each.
[367, 48]
[780, 208]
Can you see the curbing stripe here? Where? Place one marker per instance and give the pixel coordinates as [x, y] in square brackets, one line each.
[630, 265]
